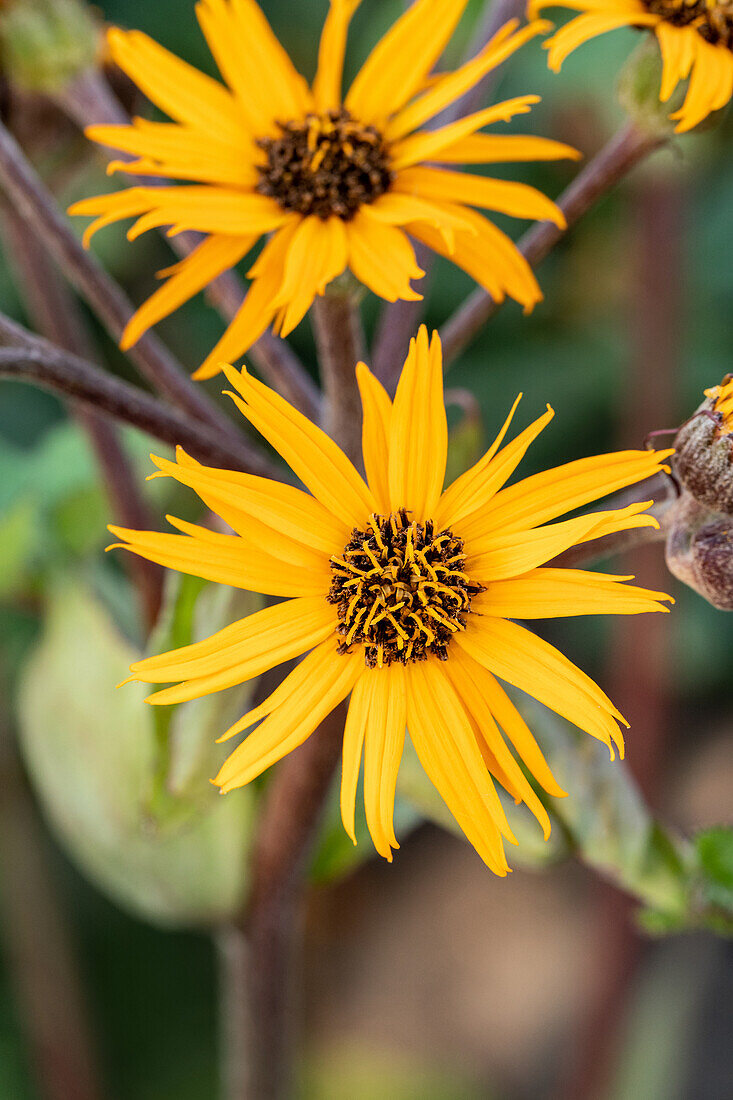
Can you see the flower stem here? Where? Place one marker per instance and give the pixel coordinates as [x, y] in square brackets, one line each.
[56, 314]
[340, 343]
[32, 359]
[626, 148]
[36, 207]
[88, 100]
[259, 953]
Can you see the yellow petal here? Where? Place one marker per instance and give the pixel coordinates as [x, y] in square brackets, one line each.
[210, 259]
[450, 87]
[417, 472]
[312, 455]
[399, 63]
[376, 430]
[554, 593]
[533, 665]
[263, 640]
[517, 199]
[354, 733]
[240, 498]
[258, 308]
[295, 719]
[318, 253]
[327, 84]
[183, 92]
[447, 750]
[585, 27]
[505, 149]
[711, 84]
[513, 725]
[549, 494]
[210, 210]
[225, 559]
[253, 63]
[113, 207]
[384, 741]
[382, 258]
[476, 487]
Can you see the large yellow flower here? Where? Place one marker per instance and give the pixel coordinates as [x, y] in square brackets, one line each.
[695, 37]
[403, 595]
[338, 182]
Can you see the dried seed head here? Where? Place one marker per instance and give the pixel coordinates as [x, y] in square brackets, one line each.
[704, 459]
[699, 550]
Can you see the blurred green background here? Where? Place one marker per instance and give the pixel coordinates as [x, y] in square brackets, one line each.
[429, 978]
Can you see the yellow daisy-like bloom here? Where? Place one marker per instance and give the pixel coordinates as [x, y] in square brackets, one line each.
[338, 182]
[403, 595]
[695, 37]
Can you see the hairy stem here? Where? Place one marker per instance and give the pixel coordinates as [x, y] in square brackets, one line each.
[37, 361]
[36, 207]
[340, 343]
[56, 314]
[88, 100]
[623, 152]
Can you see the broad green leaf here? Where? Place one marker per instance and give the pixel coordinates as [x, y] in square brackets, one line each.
[92, 755]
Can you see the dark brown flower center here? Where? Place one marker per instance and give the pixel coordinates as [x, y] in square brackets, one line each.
[401, 590]
[711, 18]
[325, 165]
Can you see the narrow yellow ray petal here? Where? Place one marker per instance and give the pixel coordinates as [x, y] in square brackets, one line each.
[469, 688]
[113, 207]
[551, 493]
[292, 723]
[318, 253]
[258, 308]
[416, 473]
[397, 66]
[283, 508]
[210, 259]
[227, 561]
[533, 665]
[451, 86]
[475, 488]
[354, 733]
[505, 149]
[505, 196]
[429, 145]
[327, 84]
[384, 741]
[376, 431]
[312, 455]
[253, 63]
[278, 634]
[183, 92]
[554, 593]
[382, 258]
[207, 209]
[447, 770]
[585, 27]
[710, 87]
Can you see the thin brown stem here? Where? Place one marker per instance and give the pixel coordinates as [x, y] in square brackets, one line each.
[260, 953]
[623, 152]
[36, 207]
[340, 343]
[399, 320]
[47, 366]
[56, 314]
[89, 100]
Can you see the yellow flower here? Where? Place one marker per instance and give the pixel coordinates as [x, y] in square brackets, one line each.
[338, 182]
[695, 37]
[403, 595]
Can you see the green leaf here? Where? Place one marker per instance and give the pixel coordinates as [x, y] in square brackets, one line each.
[92, 755]
[714, 849]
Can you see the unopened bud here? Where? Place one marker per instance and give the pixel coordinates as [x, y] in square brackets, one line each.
[699, 550]
[46, 43]
[704, 450]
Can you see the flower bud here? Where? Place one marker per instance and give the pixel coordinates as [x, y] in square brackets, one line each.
[46, 43]
[699, 550]
[704, 450]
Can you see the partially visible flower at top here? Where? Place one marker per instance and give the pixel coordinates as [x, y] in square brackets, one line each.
[339, 182]
[695, 38]
[403, 595]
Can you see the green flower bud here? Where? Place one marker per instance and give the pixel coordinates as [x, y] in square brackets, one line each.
[704, 450]
[46, 43]
[131, 803]
[699, 550]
